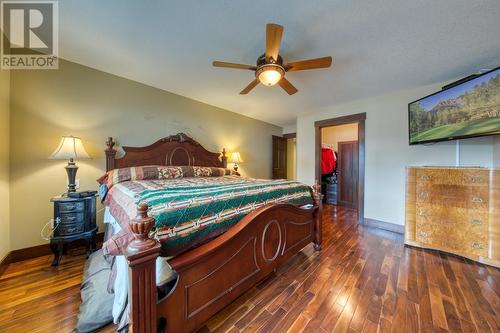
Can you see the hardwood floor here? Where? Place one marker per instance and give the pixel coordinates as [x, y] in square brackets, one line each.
[364, 280]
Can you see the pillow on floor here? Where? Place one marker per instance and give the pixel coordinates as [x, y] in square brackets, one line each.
[97, 302]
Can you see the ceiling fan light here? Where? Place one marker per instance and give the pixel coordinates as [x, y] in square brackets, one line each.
[269, 75]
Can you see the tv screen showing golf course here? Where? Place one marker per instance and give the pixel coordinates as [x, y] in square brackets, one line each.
[469, 109]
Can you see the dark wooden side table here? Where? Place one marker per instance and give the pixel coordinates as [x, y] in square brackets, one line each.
[74, 218]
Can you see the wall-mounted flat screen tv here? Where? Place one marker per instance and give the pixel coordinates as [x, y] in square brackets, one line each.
[468, 109]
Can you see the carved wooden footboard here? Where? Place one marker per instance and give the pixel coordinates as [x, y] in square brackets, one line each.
[214, 274]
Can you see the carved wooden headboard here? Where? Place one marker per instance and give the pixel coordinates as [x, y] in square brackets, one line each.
[175, 150]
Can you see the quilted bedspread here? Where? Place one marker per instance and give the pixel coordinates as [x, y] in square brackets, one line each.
[190, 211]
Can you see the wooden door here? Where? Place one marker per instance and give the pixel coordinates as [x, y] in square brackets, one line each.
[279, 157]
[348, 169]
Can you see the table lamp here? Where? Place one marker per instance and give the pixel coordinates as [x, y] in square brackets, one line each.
[235, 159]
[70, 148]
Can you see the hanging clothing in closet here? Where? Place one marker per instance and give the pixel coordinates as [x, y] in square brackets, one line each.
[328, 161]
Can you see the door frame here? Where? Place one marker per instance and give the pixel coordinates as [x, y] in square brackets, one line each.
[358, 118]
[289, 136]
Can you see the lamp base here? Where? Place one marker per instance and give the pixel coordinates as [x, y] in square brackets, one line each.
[71, 170]
[235, 169]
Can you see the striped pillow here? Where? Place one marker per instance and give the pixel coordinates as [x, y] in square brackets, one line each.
[152, 172]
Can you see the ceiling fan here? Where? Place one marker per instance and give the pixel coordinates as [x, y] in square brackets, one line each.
[270, 68]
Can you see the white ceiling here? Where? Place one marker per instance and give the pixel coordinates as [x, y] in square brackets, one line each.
[378, 46]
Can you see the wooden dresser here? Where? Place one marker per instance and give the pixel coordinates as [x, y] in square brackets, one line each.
[455, 210]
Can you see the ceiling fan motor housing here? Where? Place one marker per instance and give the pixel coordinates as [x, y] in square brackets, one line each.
[262, 61]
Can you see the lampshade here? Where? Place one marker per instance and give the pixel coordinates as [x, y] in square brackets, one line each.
[70, 147]
[236, 157]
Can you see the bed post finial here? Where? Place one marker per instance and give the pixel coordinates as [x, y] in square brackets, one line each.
[318, 216]
[141, 226]
[141, 254]
[110, 154]
[224, 158]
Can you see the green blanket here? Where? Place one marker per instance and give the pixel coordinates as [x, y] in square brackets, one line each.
[190, 211]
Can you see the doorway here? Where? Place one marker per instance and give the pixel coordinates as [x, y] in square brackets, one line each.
[340, 161]
[285, 157]
[279, 157]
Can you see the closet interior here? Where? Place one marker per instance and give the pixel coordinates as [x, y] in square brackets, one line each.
[339, 164]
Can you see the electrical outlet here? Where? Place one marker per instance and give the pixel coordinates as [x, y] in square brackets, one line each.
[77, 183]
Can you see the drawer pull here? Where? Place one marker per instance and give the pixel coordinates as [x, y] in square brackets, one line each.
[477, 200]
[423, 195]
[70, 218]
[422, 234]
[476, 222]
[69, 207]
[477, 246]
[423, 213]
[424, 177]
[477, 179]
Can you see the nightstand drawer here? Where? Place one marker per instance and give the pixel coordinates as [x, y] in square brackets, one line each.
[71, 218]
[68, 229]
[68, 207]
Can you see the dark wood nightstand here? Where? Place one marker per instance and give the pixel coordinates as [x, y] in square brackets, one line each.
[74, 218]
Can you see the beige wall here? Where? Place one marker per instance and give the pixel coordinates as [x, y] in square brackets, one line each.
[334, 134]
[291, 159]
[4, 163]
[81, 101]
[387, 150]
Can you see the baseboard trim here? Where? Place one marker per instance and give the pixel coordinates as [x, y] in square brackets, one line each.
[399, 229]
[30, 252]
[38, 251]
[4, 263]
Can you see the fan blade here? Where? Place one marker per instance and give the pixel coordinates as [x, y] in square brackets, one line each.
[232, 65]
[274, 32]
[324, 62]
[287, 86]
[249, 87]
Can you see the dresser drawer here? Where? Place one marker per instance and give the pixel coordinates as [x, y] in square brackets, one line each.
[443, 194]
[451, 176]
[439, 213]
[72, 218]
[465, 196]
[69, 229]
[68, 207]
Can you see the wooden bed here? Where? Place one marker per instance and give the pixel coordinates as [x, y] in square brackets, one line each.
[213, 275]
